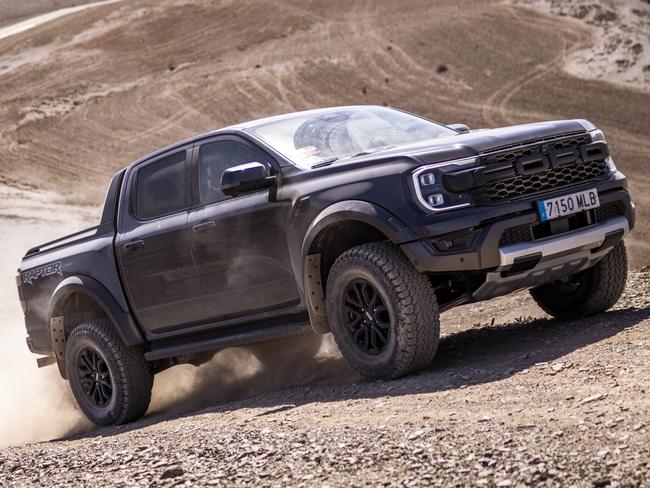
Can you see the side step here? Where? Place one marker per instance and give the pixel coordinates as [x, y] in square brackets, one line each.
[240, 335]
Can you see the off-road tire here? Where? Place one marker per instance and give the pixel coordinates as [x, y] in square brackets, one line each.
[595, 289]
[296, 349]
[410, 300]
[130, 375]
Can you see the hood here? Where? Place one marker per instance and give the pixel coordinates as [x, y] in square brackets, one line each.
[483, 140]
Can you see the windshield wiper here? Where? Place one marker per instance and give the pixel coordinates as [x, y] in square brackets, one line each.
[327, 162]
[377, 149]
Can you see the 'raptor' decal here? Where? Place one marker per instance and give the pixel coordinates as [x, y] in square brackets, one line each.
[42, 271]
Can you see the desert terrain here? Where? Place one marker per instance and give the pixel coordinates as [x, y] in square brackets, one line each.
[513, 398]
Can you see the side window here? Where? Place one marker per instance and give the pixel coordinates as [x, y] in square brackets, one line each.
[215, 157]
[161, 187]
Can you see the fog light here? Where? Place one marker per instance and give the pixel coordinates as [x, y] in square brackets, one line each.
[458, 242]
[427, 179]
[436, 199]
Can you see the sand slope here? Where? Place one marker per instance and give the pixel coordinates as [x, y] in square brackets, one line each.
[82, 96]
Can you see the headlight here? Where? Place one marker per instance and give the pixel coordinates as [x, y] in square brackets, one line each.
[430, 191]
[598, 136]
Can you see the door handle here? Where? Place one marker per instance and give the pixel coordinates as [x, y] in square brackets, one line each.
[134, 245]
[204, 226]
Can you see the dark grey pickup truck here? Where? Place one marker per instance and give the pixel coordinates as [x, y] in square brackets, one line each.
[365, 222]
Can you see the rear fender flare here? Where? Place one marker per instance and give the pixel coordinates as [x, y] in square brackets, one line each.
[123, 321]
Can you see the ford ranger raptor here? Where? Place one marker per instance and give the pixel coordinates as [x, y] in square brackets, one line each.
[365, 222]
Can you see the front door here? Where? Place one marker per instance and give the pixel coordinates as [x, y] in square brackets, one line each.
[154, 247]
[239, 243]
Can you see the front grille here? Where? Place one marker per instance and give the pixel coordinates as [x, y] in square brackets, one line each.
[531, 232]
[553, 178]
[511, 185]
[533, 147]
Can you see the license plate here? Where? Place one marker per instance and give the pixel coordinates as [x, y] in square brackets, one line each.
[568, 204]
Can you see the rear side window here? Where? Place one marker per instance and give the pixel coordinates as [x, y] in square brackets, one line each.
[161, 187]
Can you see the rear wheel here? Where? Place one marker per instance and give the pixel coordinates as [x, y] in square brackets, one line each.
[589, 292]
[111, 382]
[383, 313]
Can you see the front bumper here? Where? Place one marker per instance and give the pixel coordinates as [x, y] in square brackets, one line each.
[529, 264]
[521, 265]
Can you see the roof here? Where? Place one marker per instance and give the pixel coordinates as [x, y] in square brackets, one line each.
[243, 126]
[277, 118]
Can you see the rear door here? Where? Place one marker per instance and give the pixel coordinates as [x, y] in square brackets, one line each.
[239, 243]
[153, 244]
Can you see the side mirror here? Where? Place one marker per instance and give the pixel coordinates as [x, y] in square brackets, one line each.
[462, 128]
[246, 177]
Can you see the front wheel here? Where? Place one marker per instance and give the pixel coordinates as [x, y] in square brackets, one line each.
[111, 382]
[383, 313]
[589, 292]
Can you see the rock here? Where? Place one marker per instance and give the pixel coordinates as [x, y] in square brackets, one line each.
[416, 435]
[593, 398]
[172, 473]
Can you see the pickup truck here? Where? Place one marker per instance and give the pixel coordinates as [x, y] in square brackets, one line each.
[363, 221]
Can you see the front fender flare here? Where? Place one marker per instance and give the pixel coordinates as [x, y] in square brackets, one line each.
[360, 211]
[350, 210]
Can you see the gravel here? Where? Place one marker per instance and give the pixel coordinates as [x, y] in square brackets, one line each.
[530, 401]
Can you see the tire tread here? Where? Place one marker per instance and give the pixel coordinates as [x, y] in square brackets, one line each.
[418, 324]
[606, 285]
[135, 376]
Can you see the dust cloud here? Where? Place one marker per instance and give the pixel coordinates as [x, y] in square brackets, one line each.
[238, 373]
[36, 404]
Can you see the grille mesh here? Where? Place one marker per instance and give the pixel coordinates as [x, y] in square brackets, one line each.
[515, 235]
[553, 178]
[607, 211]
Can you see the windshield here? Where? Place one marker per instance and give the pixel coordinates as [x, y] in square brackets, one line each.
[311, 139]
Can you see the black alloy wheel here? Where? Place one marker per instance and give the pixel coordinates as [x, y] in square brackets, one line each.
[368, 319]
[95, 378]
[382, 312]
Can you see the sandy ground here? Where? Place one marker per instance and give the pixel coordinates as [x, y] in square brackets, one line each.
[15, 11]
[118, 81]
[513, 398]
[620, 52]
